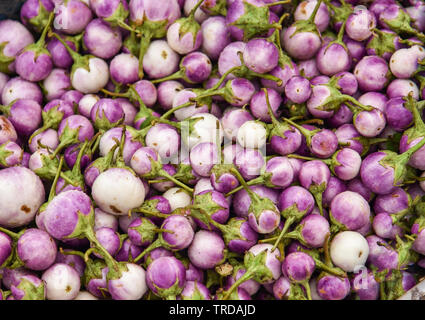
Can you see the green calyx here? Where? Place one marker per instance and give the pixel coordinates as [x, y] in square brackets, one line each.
[196, 295]
[232, 230]
[132, 44]
[339, 13]
[51, 120]
[38, 47]
[68, 136]
[254, 21]
[32, 292]
[93, 270]
[40, 21]
[405, 253]
[49, 168]
[117, 19]
[382, 42]
[418, 129]
[102, 123]
[149, 207]
[219, 9]
[296, 292]
[336, 226]
[394, 285]
[317, 192]
[326, 267]
[204, 207]
[147, 230]
[184, 173]
[5, 61]
[398, 162]
[4, 154]
[170, 293]
[402, 24]
[188, 25]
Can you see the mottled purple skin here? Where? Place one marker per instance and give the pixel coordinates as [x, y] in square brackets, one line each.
[183, 43]
[332, 59]
[141, 160]
[372, 73]
[335, 186]
[242, 91]
[383, 226]
[402, 88]
[216, 36]
[72, 96]
[370, 123]
[408, 280]
[398, 117]
[260, 55]
[139, 121]
[107, 109]
[25, 159]
[347, 134]
[378, 6]
[128, 251]
[203, 157]
[249, 162]
[305, 9]
[308, 68]
[36, 249]
[17, 37]
[72, 260]
[349, 162]
[164, 186]
[250, 286]
[331, 287]
[296, 195]
[380, 255]
[347, 82]
[18, 88]
[281, 171]
[124, 68]
[258, 104]
[302, 45]
[105, 9]
[324, 143]
[192, 289]
[194, 274]
[393, 202]
[129, 110]
[56, 84]
[289, 143]
[12, 277]
[281, 288]
[71, 154]
[319, 80]
[340, 117]
[158, 253]
[360, 24]
[164, 139]
[298, 89]
[5, 247]
[183, 232]
[32, 67]
[164, 273]
[350, 209]
[196, 67]
[62, 213]
[166, 92]
[377, 178]
[31, 9]
[72, 17]
[284, 73]
[147, 92]
[356, 48]
[101, 40]
[266, 221]
[375, 99]
[319, 94]
[109, 239]
[365, 286]
[60, 56]
[229, 57]
[86, 131]
[313, 173]
[241, 200]
[298, 266]
[206, 250]
[417, 159]
[314, 230]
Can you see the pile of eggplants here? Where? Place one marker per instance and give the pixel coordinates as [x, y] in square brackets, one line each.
[212, 150]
